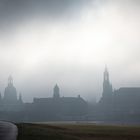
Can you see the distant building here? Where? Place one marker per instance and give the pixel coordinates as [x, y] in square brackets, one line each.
[10, 102]
[127, 99]
[122, 104]
[107, 88]
[123, 101]
[10, 93]
[58, 108]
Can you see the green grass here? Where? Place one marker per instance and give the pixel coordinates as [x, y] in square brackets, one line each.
[77, 132]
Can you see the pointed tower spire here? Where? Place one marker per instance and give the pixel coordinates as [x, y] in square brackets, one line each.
[106, 74]
[107, 87]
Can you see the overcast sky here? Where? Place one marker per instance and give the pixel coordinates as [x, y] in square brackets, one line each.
[69, 42]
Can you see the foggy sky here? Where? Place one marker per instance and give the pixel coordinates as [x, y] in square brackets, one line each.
[68, 42]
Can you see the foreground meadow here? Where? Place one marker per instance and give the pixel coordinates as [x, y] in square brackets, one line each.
[77, 132]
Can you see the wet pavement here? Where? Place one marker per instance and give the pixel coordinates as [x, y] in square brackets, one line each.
[8, 131]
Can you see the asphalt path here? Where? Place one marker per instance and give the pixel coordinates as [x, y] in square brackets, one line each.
[8, 131]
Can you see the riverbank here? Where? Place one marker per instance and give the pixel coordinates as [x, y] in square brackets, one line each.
[77, 132]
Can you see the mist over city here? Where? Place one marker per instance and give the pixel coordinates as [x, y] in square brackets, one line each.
[69, 69]
[69, 43]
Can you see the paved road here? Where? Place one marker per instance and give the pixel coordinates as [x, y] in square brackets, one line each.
[8, 131]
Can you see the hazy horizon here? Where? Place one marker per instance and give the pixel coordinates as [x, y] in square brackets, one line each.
[69, 42]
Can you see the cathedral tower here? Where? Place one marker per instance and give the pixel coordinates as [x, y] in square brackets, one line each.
[10, 93]
[107, 87]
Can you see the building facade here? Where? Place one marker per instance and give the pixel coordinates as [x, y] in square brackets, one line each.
[107, 88]
[121, 103]
[10, 101]
[57, 107]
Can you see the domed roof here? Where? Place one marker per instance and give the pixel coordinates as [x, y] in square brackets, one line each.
[10, 93]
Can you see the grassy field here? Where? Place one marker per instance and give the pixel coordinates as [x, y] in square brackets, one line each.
[77, 132]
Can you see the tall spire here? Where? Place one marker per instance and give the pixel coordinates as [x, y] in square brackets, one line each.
[107, 87]
[106, 74]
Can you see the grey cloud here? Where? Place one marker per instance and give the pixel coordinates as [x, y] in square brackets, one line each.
[14, 11]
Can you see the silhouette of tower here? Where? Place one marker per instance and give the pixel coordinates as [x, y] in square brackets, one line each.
[56, 94]
[10, 93]
[107, 87]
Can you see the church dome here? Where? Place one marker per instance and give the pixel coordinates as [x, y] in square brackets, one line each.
[10, 93]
